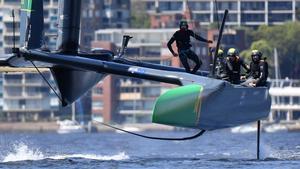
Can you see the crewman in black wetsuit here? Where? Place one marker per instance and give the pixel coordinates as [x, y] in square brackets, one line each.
[221, 65]
[233, 66]
[182, 38]
[258, 70]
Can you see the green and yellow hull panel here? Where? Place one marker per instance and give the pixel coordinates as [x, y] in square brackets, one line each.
[215, 106]
[179, 106]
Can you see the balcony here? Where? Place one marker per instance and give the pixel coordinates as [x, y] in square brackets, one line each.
[136, 112]
[130, 96]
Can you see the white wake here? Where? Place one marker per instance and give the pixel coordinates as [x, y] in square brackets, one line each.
[21, 152]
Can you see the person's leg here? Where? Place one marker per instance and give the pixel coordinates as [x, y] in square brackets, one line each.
[249, 82]
[183, 58]
[195, 58]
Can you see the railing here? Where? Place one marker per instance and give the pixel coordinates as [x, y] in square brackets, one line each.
[285, 96]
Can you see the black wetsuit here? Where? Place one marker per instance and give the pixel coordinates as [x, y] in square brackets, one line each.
[259, 72]
[221, 68]
[233, 69]
[182, 38]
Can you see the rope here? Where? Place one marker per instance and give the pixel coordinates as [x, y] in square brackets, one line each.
[154, 138]
[44, 78]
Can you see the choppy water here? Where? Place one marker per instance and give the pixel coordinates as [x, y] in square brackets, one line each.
[217, 149]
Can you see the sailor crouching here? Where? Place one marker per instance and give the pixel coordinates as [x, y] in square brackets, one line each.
[233, 66]
[258, 70]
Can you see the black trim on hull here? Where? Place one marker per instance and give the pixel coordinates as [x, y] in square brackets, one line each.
[99, 66]
[157, 66]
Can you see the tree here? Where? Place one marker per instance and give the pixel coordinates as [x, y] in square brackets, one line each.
[261, 45]
[265, 48]
[286, 38]
[139, 16]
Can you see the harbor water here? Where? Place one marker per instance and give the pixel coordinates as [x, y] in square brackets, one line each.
[215, 149]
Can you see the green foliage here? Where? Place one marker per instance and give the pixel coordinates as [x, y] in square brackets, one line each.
[213, 25]
[286, 38]
[139, 16]
[261, 45]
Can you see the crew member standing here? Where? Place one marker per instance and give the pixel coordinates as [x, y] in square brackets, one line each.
[183, 42]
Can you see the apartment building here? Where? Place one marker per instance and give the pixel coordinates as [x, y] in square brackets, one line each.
[285, 96]
[102, 14]
[95, 15]
[26, 97]
[241, 12]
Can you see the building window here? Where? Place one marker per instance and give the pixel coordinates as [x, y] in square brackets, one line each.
[202, 17]
[13, 91]
[131, 105]
[280, 17]
[130, 90]
[133, 51]
[151, 91]
[166, 63]
[252, 5]
[298, 11]
[150, 5]
[97, 104]
[151, 51]
[98, 90]
[170, 6]
[148, 104]
[229, 39]
[282, 5]
[230, 5]
[230, 17]
[97, 14]
[119, 15]
[253, 17]
[91, 12]
[103, 37]
[199, 6]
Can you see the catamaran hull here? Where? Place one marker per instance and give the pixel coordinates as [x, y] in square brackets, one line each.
[224, 106]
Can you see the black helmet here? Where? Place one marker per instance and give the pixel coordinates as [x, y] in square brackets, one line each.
[232, 52]
[256, 55]
[184, 24]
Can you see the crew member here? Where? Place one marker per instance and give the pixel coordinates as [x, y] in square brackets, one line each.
[221, 65]
[233, 66]
[258, 70]
[182, 38]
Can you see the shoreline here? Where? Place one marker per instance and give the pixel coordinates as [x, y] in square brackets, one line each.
[53, 127]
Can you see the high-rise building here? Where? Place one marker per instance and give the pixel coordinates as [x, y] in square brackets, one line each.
[26, 97]
[241, 12]
[6, 24]
[96, 14]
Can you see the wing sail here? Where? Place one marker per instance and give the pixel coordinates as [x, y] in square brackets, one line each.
[32, 24]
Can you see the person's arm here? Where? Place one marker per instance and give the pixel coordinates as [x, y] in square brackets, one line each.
[250, 74]
[170, 46]
[245, 66]
[229, 66]
[263, 74]
[199, 38]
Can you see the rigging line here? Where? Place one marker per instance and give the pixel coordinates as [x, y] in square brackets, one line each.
[44, 78]
[217, 15]
[154, 138]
